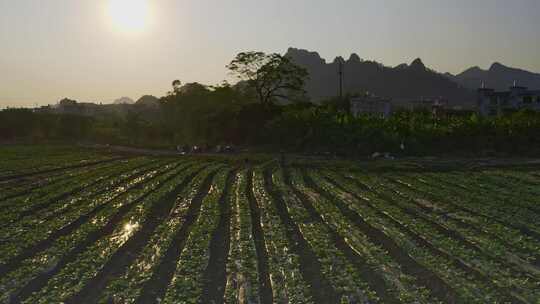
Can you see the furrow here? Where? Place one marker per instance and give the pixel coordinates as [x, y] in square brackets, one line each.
[456, 247]
[320, 287]
[215, 274]
[363, 276]
[265, 287]
[88, 164]
[156, 286]
[128, 252]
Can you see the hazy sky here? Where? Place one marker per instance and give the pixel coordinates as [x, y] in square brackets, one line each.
[51, 49]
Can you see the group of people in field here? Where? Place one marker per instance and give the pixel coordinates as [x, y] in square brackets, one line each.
[186, 149]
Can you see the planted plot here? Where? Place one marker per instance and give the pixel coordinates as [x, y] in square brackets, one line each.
[21, 161]
[37, 263]
[127, 287]
[25, 186]
[216, 230]
[287, 281]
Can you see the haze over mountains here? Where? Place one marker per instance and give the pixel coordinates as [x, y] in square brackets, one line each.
[124, 100]
[403, 82]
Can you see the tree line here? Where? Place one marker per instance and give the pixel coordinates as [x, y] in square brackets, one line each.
[268, 110]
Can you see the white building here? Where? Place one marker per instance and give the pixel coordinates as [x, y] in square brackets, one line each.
[492, 103]
[371, 105]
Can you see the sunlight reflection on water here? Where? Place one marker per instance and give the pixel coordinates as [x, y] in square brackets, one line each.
[126, 232]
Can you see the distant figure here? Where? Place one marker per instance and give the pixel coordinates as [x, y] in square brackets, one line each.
[182, 149]
[282, 159]
[246, 161]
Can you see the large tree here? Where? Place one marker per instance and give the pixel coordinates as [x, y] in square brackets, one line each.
[271, 76]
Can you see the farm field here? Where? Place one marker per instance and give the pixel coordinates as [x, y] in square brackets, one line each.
[81, 226]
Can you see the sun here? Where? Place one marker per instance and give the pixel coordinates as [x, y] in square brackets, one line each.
[129, 15]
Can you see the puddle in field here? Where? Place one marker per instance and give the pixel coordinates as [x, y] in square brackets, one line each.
[129, 227]
[126, 232]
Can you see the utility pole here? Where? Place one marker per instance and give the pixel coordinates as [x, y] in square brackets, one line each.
[340, 73]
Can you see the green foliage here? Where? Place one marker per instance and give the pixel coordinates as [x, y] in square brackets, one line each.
[323, 129]
[197, 114]
[25, 124]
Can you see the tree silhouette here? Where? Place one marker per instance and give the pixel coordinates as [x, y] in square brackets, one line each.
[176, 84]
[271, 76]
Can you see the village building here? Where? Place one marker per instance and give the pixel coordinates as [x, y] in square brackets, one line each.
[437, 106]
[428, 104]
[371, 105]
[491, 103]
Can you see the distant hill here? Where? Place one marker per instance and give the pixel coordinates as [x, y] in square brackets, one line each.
[148, 101]
[124, 100]
[405, 81]
[499, 77]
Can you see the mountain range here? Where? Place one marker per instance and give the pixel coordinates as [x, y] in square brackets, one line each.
[403, 82]
[498, 77]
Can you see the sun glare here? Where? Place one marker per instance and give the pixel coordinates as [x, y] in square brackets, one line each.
[129, 15]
